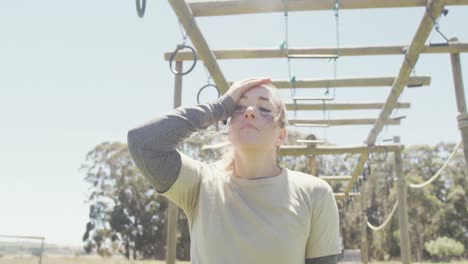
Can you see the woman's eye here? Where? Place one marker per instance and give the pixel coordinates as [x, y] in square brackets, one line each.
[239, 108]
[265, 110]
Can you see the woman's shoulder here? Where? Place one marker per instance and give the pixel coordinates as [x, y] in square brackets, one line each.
[308, 182]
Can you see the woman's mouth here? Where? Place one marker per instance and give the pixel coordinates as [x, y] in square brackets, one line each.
[248, 126]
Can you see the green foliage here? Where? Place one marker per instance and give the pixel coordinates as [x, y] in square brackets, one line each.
[126, 215]
[444, 248]
[444, 201]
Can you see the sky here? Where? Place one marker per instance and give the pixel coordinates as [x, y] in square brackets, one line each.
[74, 74]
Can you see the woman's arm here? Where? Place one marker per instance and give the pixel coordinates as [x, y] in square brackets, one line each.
[332, 259]
[323, 243]
[153, 145]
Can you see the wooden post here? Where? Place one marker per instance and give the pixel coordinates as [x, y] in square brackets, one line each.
[402, 212]
[312, 159]
[364, 245]
[461, 104]
[313, 165]
[171, 241]
[42, 251]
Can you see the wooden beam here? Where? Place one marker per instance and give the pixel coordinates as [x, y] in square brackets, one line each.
[341, 106]
[341, 122]
[342, 196]
[299, 150]
[349, 82]
[358, 169]
[236, 7]
[311, 142]
[454, 47]
[434, 9]
[336, 178]
[25, 237]
[184, 14]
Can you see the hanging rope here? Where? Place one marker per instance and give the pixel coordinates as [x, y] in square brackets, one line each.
[336, 9]
[326, 113]
[285, 46]
[420, 185]
[377, 228]
[437, 28]
[433, 178]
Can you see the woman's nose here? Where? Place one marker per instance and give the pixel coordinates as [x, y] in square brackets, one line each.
[249, 112]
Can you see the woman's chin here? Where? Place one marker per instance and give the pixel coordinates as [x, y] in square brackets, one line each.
[250, 143]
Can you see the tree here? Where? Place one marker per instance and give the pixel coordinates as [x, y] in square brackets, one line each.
[126, 214]
[444, 201]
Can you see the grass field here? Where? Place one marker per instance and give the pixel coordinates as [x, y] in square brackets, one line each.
[97, 260]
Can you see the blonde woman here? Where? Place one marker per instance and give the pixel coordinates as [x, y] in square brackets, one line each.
[246, 209]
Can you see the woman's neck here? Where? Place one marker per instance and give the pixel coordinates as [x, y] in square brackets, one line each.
[252, 165]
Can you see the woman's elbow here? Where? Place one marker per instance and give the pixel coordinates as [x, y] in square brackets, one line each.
[133, 142]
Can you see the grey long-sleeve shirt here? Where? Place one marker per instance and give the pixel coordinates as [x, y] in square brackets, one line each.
[153, 144]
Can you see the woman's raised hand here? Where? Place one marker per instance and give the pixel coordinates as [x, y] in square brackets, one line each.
[238, 88]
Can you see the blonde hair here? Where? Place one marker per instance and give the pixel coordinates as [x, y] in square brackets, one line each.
[227, 161]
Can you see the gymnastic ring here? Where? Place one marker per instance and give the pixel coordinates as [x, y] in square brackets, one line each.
[379, 159]
[141, 7]
[179, 48]
[206, 86]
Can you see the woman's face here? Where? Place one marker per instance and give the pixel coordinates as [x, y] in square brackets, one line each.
[254, 124]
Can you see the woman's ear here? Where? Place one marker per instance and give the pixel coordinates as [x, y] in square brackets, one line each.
[282, 136]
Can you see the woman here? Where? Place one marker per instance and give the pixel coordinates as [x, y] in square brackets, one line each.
[247, 210]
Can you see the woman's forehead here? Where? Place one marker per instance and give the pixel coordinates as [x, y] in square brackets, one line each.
[258, 93]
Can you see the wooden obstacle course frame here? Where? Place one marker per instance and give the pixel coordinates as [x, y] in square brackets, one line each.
[186, 13]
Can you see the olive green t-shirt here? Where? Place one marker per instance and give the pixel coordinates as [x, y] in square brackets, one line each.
[285, 218]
